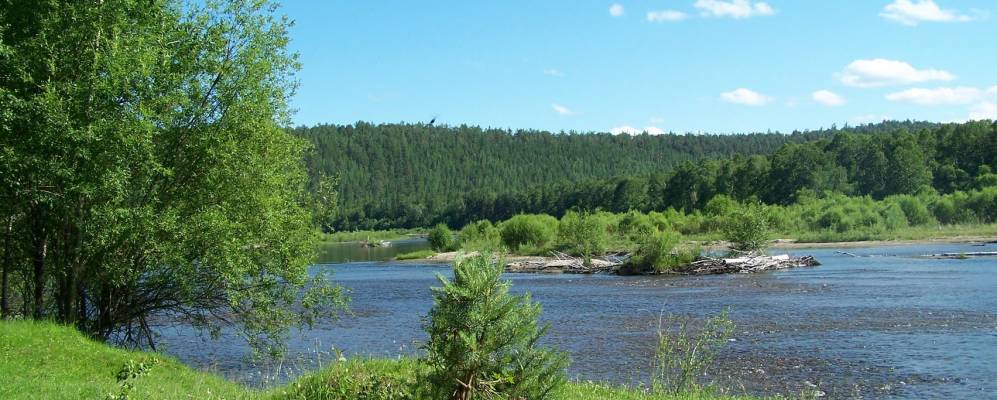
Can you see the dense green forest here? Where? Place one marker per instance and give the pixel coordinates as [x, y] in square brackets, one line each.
[412, 175]
[415, 175]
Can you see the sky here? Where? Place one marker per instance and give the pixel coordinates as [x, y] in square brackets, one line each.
[699, 66]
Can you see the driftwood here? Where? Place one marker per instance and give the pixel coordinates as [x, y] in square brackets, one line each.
[563, 263]
[743, 265]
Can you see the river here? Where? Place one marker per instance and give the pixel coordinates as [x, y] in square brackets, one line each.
[885, 324]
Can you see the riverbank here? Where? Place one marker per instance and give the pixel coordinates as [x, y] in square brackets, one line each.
[40, 360]
[776, 245]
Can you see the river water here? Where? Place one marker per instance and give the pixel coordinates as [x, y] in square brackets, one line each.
[884, 324]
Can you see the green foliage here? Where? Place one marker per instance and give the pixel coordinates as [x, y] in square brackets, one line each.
[480, 236]
[149, 171]
[657, 253]
[441, 238]
[532, 231]
[746, 228]
[684, 354]
[582, 234]
[461, 174]
[131, 371]
[360, 380]
[914, 209]
[483, 341]
[881, 160]
[635, 226]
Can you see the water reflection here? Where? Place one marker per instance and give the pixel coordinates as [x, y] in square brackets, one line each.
[333, 253]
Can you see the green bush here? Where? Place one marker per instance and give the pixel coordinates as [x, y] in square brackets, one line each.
[361, 380]
[534, 231]
[480, 236]
[684, 354]
[483, 341]
[634, 226]
[894, 217]
[441, 238]
[746, 228]
[582, 235]
[657, 253]
[916, 212]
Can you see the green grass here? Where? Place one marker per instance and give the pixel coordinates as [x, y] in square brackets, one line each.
[41, 360]
[359, 236]
[416, 255]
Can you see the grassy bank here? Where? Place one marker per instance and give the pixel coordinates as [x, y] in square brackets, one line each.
[41, 360]
[360, 236]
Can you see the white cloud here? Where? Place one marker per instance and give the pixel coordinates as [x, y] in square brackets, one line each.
[744, 96]
[653, 130]
[733, 8]
[553, 72]
[911, 13]
[562, 110]
[992, 90]
[666, 16]
[880, 72]
[936, 96]
[629, 130]
[868, 119]
[828, 98]
[984, 110]
[616, 10]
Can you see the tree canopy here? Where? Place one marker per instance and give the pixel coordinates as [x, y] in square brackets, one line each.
[145, 169]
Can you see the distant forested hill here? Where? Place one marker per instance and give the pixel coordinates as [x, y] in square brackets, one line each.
[407, 175]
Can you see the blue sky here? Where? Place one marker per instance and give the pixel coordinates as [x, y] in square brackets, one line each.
[712, 66]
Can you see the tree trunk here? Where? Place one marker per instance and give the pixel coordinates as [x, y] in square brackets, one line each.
[39, 251]
[69, 282]
[5, 278]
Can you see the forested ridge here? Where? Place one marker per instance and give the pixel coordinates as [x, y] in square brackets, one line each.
[411, 175]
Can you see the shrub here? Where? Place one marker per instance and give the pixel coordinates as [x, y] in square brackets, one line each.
[441, 238]
[634, 226]
[917, 213]
[536, 231]
[684, 354]
[582, 235]
[480, 236]
[483, 341]
[657, 253]
[359, 380]
[746, 228]
[894, 217]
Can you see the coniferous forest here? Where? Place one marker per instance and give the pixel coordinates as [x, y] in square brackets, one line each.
[410, 175]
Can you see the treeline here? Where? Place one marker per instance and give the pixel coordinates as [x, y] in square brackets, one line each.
[413, 175]
[945, 159]
[652, 237]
